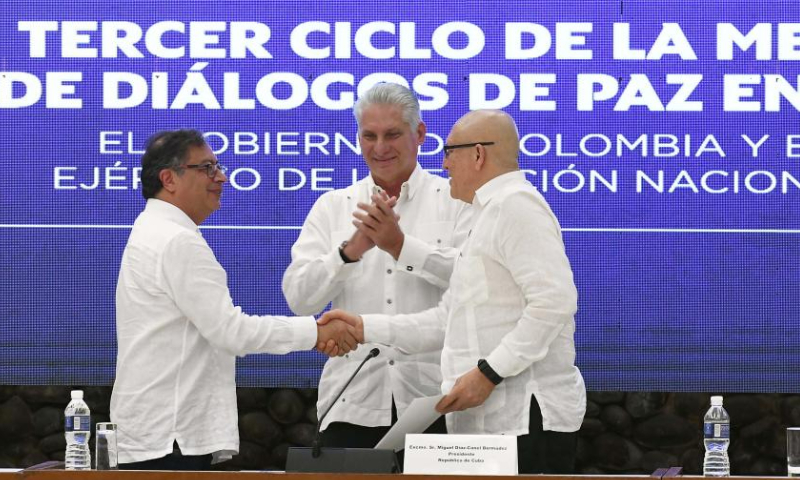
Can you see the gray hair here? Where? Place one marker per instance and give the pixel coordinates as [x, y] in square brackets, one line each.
[390, 94]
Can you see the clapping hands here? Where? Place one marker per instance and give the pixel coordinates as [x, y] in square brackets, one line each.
[379, 224]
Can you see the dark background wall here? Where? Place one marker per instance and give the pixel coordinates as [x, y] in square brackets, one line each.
[633, 432]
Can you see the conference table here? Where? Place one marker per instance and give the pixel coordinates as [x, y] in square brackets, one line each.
[256, 475]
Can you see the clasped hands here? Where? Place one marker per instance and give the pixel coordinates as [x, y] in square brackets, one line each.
[339, 332]
[377, 224]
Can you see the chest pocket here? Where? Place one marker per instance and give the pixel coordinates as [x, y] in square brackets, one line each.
[469, 285]
[438, 234]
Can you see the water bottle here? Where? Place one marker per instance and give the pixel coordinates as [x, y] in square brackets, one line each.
[717, 437]
[77, 430]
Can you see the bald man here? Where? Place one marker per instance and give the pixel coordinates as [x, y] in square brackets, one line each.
[507, 320]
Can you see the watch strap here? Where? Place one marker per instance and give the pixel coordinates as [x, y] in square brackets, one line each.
[345, 258]
[489, 372]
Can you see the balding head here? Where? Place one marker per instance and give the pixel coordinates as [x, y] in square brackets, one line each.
[487, 144]
[491, 126]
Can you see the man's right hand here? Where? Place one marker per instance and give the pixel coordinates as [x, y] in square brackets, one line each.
[360, 243]
[337, 336]
[355, 326]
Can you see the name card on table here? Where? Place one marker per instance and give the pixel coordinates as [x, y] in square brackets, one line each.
[461, 454]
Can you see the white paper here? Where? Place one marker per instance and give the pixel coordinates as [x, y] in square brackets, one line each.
[419, 415]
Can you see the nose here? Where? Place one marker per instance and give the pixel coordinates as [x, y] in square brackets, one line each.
[220, 177]
[381, 146]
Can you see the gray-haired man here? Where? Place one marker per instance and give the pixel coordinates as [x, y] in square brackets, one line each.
[355, 252]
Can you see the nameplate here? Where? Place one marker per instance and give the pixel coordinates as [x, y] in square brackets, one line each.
[461, 454]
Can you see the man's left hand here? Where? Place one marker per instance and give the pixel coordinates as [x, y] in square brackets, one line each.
[380, 223]
[470, 390]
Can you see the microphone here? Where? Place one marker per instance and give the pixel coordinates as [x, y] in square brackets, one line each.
[315, 446]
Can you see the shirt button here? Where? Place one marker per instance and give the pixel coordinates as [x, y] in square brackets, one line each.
[438, 240]
[391, 362]
[389, 301]
[389, 271]
[347, 356]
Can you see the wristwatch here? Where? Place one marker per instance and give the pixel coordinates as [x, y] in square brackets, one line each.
[489, 372]
[345, 259]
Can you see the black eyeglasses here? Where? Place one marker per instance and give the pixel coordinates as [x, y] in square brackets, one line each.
[448, 148]
[210, 168]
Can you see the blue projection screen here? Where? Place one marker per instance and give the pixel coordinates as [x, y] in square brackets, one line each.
[664, 135]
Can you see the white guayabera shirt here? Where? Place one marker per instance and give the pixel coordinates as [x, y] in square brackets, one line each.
[178, 335]
[435, 226]
[512, 301]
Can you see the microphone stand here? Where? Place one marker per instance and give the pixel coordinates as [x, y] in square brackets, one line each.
[315, 445]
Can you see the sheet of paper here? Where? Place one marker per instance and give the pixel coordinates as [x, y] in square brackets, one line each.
[419, 415]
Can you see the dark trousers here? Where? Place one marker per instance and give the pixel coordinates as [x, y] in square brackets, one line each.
[545, 452]
[340, 434]
[173, 461]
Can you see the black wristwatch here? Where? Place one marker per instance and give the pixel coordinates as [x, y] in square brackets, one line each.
[345, 259]
[489, 372]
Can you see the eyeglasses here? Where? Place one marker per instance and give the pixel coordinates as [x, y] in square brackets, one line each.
[210, 168]
[448, 148]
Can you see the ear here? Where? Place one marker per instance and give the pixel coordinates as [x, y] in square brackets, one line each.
[480, 160]
[168, 179]
[422, 129]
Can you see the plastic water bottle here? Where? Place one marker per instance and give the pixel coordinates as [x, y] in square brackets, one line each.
[717, 437]
[77, 430]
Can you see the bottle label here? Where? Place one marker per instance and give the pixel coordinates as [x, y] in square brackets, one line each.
[78, 423]
[717, 430]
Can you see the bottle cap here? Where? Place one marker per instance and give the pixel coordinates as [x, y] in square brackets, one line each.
[76, 394]
[716, 400]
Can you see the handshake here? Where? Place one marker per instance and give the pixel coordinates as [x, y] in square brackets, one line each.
[339, 332]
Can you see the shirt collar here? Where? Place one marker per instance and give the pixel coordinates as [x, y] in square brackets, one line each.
[409, 187]
[170, 212]
[495, 186]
